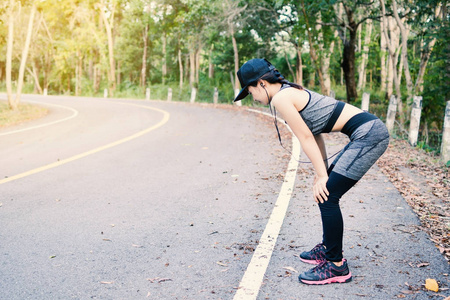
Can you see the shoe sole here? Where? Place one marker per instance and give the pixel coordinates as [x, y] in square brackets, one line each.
[337, 279]
[311, 261]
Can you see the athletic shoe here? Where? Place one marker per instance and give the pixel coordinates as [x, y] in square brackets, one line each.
[315, 256]
[326, 272]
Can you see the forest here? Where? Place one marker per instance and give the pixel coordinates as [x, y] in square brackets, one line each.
[344, 47]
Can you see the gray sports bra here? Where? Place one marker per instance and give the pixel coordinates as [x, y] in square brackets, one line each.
[321, 112]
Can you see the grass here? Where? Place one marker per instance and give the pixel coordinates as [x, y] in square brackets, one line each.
[25, 112]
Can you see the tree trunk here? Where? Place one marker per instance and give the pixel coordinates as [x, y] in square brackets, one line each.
[112, 64]
[9, 50]
[312, 79]
[34, 74]
[187, 68]
[365, 55]
[299, 66]
[348, 60]
[394, 62]
[326, 66]
[424, 57]
[119, 77]
[23, 60]
[91, 69]
[144, 58]
[312, 51]
[289, 65]
[180, 62]
[78, 73]
[236, 58]
[164, 60]
[97, 78]
[211, 65]
[192, 68]
[197, 62]
[348, 66]
[383, 53]
[404, 34]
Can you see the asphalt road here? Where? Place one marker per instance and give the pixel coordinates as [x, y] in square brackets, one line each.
[122, 199]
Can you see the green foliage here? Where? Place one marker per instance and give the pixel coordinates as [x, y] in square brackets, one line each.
[437, 79]
[69, 31]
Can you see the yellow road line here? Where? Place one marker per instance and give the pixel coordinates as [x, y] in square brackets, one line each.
[166, 116]
[254, 275]
[74, 114]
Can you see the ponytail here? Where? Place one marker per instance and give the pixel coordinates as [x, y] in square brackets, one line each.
[274, 76]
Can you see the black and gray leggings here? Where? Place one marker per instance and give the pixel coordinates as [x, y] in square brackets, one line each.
[369, 139]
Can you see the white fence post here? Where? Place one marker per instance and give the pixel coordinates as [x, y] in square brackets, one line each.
[445, 146]
[236, 92]
[169, 94]
[147, 94]
[414, 125]
[392, 110]
[216, 96]
[193, 94]
[365, 101]
[105, 93]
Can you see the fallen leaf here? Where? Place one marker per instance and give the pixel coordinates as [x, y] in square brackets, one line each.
[423, 265]
[222, 264]
[290, 269]
[432, 285]
[158, 279]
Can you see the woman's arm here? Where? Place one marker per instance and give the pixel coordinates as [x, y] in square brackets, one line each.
[321, 143]
[309, 145]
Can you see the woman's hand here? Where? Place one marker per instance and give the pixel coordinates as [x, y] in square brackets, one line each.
[320, 188]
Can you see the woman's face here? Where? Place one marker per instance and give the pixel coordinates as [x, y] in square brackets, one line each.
[259, 94]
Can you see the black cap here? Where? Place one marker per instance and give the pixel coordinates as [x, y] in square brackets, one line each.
[250, 72]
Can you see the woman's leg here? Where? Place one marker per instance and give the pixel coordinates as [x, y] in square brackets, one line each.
[369, 142]
[332, 222]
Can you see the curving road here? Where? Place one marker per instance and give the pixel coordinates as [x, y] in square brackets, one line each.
[119, 199]
[122, 199]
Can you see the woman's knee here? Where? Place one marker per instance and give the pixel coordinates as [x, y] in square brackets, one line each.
[338, 185]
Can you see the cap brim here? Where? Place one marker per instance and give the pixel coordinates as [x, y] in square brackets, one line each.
[242, 94]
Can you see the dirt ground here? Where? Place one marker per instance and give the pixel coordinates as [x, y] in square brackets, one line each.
[425, 184]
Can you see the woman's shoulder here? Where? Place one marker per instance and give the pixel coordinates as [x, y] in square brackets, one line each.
[292, 94]
[297, 97]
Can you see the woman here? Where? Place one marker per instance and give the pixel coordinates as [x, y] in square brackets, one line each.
[309, 115]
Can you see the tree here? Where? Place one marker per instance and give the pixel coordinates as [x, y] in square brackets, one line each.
[13, 103]
[392, 57]
[362, 65]
[109, 24]
[230, 11]
[9, 54]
